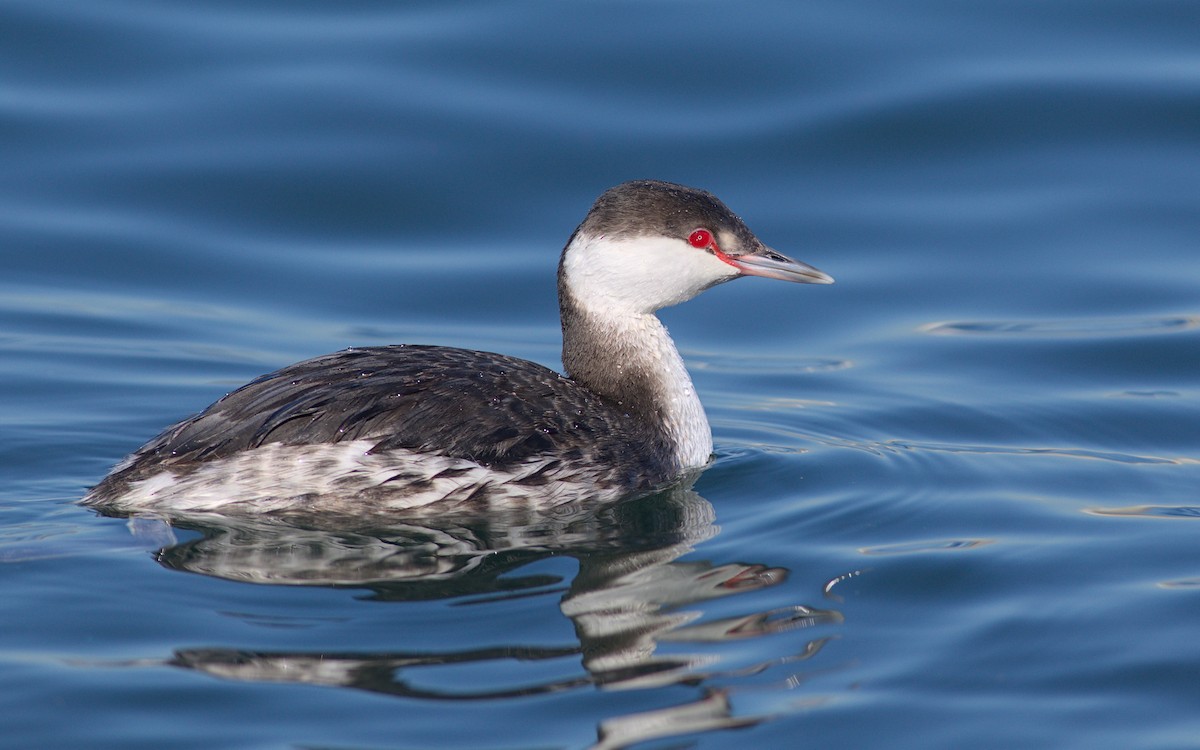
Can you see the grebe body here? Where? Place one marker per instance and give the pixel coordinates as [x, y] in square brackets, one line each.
[394, 428]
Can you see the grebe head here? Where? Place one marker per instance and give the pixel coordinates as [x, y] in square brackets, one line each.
[647, 244]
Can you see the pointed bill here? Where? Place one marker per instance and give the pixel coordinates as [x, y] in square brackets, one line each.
[772, 265]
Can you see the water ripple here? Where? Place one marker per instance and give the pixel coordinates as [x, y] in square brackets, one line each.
[1149, 511]
[884, 447]
[1065, 328]
[1183, 583]
[762, 364]
[936, 545]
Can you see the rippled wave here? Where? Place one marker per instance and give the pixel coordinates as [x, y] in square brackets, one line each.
[926, 532]
[1065, 328]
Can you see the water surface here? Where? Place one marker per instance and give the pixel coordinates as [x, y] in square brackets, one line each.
[954, 500]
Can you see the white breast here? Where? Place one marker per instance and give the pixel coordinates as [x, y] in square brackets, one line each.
[347, 478]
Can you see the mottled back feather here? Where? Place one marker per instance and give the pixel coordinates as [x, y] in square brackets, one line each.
[495, 410]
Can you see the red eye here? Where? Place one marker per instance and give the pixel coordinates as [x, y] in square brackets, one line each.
[701, 238]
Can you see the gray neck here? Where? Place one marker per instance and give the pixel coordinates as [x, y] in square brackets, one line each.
[629, 358]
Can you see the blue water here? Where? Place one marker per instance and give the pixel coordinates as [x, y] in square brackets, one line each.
[955, 499]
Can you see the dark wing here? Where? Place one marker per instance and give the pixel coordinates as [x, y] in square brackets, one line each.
[494, 409]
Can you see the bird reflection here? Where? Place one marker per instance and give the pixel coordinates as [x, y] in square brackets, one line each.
[632, 594]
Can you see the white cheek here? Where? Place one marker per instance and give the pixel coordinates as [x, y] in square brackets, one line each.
[640, 275]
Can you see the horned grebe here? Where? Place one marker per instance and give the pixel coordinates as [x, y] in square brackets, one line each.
[388, 428]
